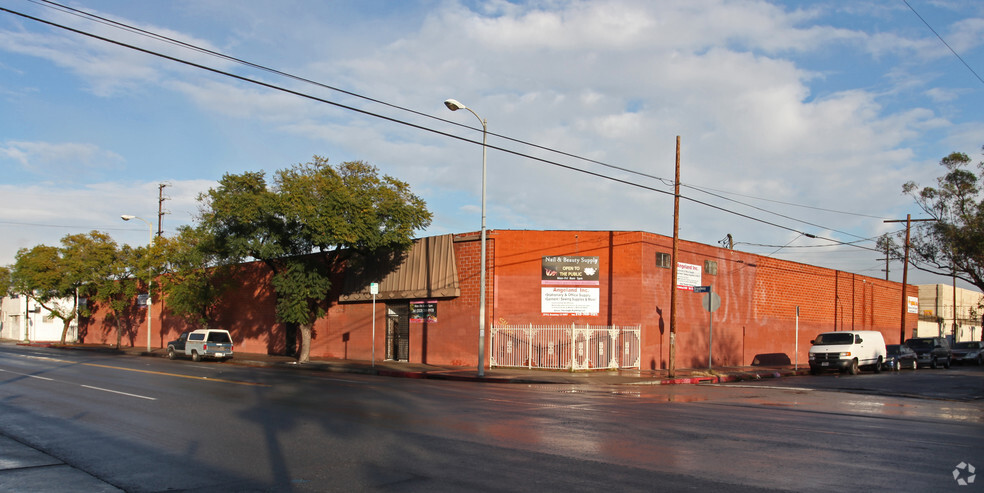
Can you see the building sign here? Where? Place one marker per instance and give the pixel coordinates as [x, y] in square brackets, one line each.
[563, 270]
[573, 301]
[423, 311]
[688, 276]
[913, 304]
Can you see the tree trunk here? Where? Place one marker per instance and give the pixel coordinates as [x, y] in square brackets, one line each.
[305, 354]
[66, 322]
[119, 332]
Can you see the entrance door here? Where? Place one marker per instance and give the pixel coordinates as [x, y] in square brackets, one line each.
[398, 332]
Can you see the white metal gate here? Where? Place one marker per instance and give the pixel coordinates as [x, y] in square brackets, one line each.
[567, 347]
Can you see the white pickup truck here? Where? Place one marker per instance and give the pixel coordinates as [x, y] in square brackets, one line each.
[202, 343]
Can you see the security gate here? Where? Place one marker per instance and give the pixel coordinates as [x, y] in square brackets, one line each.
[568, 347]
[398, 332]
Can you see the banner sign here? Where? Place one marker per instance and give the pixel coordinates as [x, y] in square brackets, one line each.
[561, 270]
[557, 301]
[688, 276]
[913, 304]
[423, 311]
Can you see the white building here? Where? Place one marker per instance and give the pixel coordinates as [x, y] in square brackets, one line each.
[937, 313]
[24, 320]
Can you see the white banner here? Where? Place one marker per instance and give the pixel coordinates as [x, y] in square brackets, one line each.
[688, 276]
[557, 301]
[913, 304]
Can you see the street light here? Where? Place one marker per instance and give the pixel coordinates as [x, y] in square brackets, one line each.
[454, 105]
[150, 275]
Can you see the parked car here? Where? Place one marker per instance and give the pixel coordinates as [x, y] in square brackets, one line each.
[847, 350]
[968, 352]
[932, 351]
[202, 343]
[898, 356]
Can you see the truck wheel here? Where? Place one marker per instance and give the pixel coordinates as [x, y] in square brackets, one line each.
[878, 365]
[170, 352]
[853, 369]
[946, 364]
[933, 364]
[195, 356]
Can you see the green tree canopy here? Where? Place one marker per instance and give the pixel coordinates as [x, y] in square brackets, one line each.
[5, 281]
[953, 244]
[194, 274]
[54, 276]
[116, 285]
[311, 208]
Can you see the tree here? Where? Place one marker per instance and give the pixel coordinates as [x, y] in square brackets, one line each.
[116, 284]
[194, 275]
[307, 224]
[953, 244]
[55, 276]
[4, 281]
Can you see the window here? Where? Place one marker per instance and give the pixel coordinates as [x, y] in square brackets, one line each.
[710, 267]
[663, 260]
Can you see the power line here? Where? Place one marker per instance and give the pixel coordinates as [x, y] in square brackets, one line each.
[944, 42]
[392, 119]
[153, 35]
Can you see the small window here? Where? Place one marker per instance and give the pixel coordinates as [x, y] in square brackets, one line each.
[200, 336]
[710, 267]
[663, 260]
[218, 337]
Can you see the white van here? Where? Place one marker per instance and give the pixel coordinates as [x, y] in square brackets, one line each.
[847, 350]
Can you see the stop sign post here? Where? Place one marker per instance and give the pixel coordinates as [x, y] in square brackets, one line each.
[711, 302]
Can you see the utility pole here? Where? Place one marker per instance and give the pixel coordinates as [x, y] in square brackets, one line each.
[905, 269]
[160, 209]
[673, 261]
[887, 258]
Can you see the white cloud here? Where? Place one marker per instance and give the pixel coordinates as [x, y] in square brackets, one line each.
[772, 99]
[59, 161]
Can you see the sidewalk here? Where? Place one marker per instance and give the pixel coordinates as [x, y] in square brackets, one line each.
[492, 375]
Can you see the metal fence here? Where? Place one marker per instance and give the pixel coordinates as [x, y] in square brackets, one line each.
[567, 347]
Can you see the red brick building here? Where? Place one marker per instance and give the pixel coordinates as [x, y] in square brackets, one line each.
[427, 310]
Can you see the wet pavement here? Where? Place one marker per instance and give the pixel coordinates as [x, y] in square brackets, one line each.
[682, 376]
[25, 468]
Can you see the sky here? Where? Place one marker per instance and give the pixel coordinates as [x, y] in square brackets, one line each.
[795, 119]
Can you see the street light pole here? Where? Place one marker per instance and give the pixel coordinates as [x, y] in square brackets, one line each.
[455, 106]
[150, 273]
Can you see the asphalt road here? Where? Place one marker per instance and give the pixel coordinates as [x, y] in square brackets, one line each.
[149, 424]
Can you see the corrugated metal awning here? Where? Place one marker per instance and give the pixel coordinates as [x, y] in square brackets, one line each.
[427, 270]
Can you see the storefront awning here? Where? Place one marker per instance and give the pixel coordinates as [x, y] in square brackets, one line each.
[427, 270]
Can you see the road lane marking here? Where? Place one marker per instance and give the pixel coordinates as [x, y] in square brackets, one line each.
[86, 386]
[26, 375]
[192, 377]
[121, 393]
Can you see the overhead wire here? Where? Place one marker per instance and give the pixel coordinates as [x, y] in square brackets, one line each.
[153, 35]
[964, 62]
[396, 120]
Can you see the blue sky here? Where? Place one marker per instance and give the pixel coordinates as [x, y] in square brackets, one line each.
[818, 111]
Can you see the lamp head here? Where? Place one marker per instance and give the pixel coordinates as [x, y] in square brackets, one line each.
[127, 217]
[454, 105]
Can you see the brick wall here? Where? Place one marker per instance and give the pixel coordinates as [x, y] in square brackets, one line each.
[756, 322]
